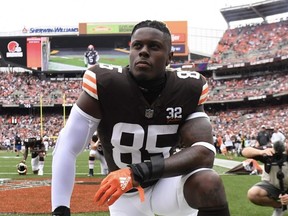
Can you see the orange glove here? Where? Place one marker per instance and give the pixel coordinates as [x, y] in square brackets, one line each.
[114, 185]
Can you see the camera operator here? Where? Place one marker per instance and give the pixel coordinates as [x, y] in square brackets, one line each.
[272, 190]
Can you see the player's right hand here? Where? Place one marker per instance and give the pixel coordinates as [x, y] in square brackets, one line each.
[114, 185]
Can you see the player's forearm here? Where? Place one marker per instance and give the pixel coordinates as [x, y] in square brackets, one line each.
[181, 163]
[199, 152]
[188, 160]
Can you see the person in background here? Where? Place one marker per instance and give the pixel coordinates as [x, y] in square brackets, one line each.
[91, 56]
[46, 144]
[229, 144]
[277, 135]
[268, 192]
[96, 152]
[37, 150]
[263, 137]
[141, 112]
[215, 142]
[18, 144]
[7, 144]
[220, 143]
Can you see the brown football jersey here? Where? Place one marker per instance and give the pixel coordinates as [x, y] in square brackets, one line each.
[132, 130]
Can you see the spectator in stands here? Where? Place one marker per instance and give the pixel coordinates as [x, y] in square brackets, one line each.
[91, 56]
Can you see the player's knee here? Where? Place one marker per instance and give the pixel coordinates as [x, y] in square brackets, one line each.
[252, 194]
[204, 188]
[204, 179]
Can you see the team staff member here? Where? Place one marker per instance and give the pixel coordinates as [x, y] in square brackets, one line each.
[141, 112]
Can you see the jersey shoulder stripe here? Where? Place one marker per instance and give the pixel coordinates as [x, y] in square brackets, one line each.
[89, 84]
[204, 94]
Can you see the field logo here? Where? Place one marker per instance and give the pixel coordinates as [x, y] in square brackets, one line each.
[14, 50]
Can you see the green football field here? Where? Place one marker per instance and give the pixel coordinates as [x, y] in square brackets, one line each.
[78, 60]
[236, 185]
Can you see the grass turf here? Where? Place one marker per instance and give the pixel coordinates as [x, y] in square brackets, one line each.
[236, 185]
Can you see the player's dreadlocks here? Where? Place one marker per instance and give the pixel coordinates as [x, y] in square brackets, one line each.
[161, 26]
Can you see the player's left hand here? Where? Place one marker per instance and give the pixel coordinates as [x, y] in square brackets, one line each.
[114, 185]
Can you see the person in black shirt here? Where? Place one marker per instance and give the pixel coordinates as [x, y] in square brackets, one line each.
[18, 144]
[263, 137]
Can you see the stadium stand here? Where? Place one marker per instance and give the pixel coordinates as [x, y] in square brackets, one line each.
[247, 75]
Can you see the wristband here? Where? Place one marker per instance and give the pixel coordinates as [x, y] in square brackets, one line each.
[61, 211]
[150, 170]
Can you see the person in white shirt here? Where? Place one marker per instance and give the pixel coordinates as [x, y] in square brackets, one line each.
[277, 135]
[7, 143]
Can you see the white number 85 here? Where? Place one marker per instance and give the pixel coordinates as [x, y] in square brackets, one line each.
[138, 142]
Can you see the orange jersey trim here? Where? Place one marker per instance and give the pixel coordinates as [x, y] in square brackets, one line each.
[204, 94]
[89, 84]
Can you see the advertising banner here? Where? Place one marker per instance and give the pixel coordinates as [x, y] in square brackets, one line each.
[178, 29]
[34, 52]
[13, 50]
